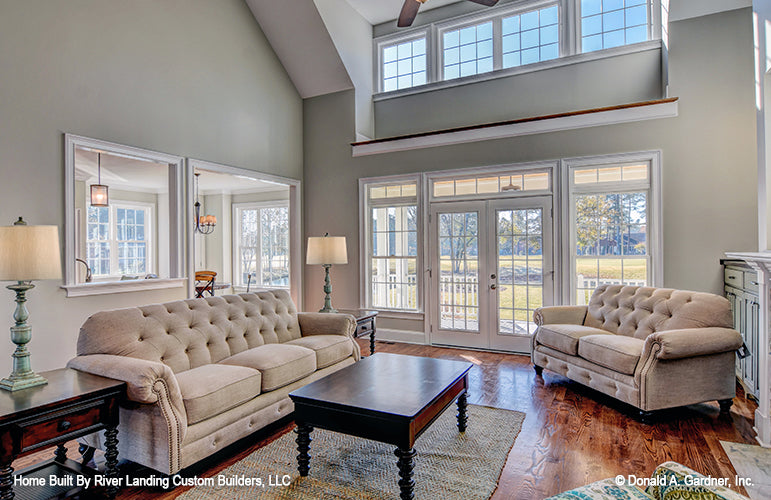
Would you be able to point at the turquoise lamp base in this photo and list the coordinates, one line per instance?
(14, 383)
(22, 376)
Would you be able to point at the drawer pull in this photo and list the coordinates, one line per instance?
(732, 277)
(754, 282)
(64, 425)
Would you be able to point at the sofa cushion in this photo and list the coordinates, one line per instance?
(617, 352)
(212, 389)
(564, 338)
(329, 349)
(280, 364)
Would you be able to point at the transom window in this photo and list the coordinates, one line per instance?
(392, 243)
(612, 23)
(490, 184)
(261, 245)
(468, 51)
(530, 37)
(404, 64)
(119, 240)
(511, 36)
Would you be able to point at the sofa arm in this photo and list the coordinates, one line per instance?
(147, 381)
(326, 324)
(550, 315)
(691, 342)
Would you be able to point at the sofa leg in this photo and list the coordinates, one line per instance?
(646, 417)
(725, 405)
(538, 370)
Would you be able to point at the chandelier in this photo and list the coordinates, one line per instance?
(204, 224)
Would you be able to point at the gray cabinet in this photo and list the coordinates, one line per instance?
(741, 289)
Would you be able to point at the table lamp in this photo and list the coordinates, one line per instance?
(327, 250)
(26, 253)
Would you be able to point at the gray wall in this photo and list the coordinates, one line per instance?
(189, 77)
(709, 162)
(606, 82)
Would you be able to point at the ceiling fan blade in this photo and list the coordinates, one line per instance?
(488, 3)
(408, 13)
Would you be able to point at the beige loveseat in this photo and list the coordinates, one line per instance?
(652, 348)
(203, 373)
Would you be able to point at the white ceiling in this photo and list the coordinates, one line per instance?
(131, 174)
(380, 11)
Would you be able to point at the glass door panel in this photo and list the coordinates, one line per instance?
(520, 269)
(522, 276)
(458, 305)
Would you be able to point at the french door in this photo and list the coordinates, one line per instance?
(491, 267)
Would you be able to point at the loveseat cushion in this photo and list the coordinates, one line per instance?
(329, 349)
(212, 389)
(279, 364)
(617, 352)
(564, 337)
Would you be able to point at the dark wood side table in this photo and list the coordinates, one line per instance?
(71, 405)
(365, 324)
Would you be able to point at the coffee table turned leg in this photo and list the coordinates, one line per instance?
(372, 343)
(6, 481)
(462, 416)
(405, 464)
(303, 446)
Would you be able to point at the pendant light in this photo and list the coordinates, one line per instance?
(99, 191)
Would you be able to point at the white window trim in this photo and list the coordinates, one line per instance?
(654, 25)
(656, 247)
(151, 242)
(569, 40)
(295, 221)
(381, 43)
(497, 170)
(365, 243)
(237, 209)
(177, 256)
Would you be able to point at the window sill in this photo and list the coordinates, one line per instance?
(517, 70)
(108, 287)
(386, 313)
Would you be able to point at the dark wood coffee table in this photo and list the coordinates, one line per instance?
(389, 398)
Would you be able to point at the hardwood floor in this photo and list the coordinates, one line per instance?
(571, 435)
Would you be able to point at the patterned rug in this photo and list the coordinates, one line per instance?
(448, 464)
(751, 461)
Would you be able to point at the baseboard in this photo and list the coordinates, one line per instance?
(763, 428)
(408, 336)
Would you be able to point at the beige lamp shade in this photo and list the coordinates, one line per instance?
(326, 250)
(29, 253)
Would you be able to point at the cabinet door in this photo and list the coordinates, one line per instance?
(753, 327)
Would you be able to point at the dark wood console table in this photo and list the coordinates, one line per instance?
(365, 324)
(71, 405)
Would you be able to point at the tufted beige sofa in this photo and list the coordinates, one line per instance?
(652, 348)
(203, 373)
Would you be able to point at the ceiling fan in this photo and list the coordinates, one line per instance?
(410, 10)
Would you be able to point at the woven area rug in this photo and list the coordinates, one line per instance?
(448, 464)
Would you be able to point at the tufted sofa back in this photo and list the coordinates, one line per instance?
(190, 333)
(637, 311)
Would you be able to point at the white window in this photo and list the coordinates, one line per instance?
(613, 226)
(489, 184)
(468, 51)
(503, 39)
(404, 64)
(392, 245)
(261, 243)
(119, 240)
(612, 23)
(530, 37)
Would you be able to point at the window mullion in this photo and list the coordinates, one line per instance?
(497, 44)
